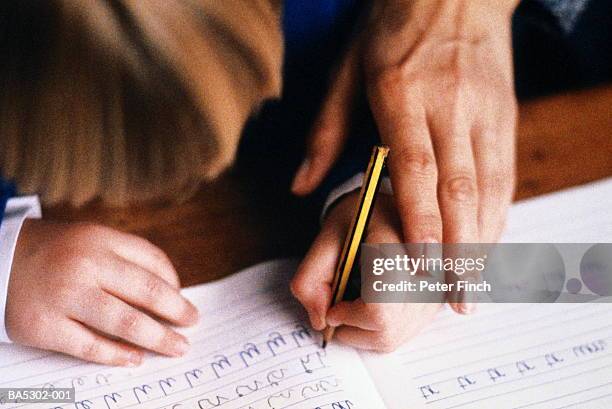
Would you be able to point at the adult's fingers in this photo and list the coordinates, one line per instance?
(147, 255)
(412, 164)
(457, 192)
(143, 289)
(330, 129)
(112, 316)
(73, 338)
(494, 155)
(457, 189)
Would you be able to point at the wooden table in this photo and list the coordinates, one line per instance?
(563, 141)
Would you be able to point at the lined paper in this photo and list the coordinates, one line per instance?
(536, 356)
(578, 215)
(253, 350)
(507, 356)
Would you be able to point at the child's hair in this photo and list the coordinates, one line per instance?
(130, 99)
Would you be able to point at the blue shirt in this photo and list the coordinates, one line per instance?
(7, 190)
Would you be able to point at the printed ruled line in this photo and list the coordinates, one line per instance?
(490, 330)
(600, 356)
(504, 337)
(202, 340)
(316, 397)
(222, 386)
(54, 354)
(258, 400)
(130, 380)
(587, 401)
(565, 396)
(523, 388)
(517, 351)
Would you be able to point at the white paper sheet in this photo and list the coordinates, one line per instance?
(252, 350)
(578, 215)
(515, 356)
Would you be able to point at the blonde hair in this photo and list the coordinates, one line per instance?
(130, 100)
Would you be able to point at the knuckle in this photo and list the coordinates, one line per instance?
(87, 231)
(129, 324)
(418, 161)
(83, 265)
(91, 351)
(101, 301)
(152, 287)
(461, 189)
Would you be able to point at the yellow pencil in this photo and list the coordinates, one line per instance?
(357, 229)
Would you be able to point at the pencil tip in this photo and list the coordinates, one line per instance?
(324, 344)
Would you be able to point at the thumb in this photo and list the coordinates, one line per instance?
(330, 128)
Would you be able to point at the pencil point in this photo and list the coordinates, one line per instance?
(324, 344)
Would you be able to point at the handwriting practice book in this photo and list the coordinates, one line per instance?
(251, 350)
(254, 350)
(536, 356)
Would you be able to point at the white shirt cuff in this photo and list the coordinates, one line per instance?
(350, 185)
(17, 210)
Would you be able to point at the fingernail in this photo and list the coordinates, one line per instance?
(180, 347)
(468, 305)
(134, 359)
(301, 175)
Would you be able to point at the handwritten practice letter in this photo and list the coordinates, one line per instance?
(252, 350)
(531, 356)
(508, 356)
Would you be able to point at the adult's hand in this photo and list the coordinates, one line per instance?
(439, 81)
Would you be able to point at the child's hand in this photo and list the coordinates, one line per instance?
(93, 292)
(379, 327)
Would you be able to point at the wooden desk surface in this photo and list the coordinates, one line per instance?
(563, 141)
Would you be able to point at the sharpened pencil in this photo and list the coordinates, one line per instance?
(359, 224)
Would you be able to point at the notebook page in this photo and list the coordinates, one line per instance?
(536, 356)
(252, 350)
(578, 215)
